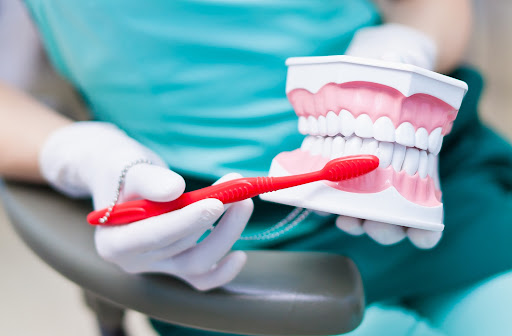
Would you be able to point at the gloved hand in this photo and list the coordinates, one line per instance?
(87, 158)
(396, 43)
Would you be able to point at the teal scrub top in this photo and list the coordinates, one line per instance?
(200, 82)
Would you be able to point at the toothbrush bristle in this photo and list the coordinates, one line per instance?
(350, 166)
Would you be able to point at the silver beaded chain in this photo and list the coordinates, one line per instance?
(120, 184)
(293, 219)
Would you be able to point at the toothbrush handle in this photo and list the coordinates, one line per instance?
(227, 192)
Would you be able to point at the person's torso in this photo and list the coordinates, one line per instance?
(200, 82)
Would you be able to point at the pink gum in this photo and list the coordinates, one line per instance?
(375, 100)
(421, 191)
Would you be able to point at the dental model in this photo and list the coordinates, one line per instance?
(398, 112)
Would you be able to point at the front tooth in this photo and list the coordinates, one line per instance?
(318, 146)
(411, 161)
(353, 145)
(312, 125)
(384, 130)
(327, 147)
(431, 171)
(307, 143)
(421, 138)
(303, 125)
(398, 157)
(369, 146)
(332, 123)
(433, 140)
(405, 134)
(385, 154)
(322, 126)
(423, 166)
(338, 147)
(364, 126)
(440, 144)
(346, 123)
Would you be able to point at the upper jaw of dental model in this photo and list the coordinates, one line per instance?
(348, 106)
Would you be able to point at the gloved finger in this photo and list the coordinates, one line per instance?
(384, 233)
(225, 178)
(157, 232)
(350, 225)
(152, 182)
(225, 271)
(424, 239)
(174, 248)
(200, 258)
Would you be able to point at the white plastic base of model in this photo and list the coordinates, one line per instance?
(387, 206)
(312, 73)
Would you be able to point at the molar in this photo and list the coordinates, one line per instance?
(318, 145)
(332, 124)
(322, 126)
(421, 138)
(327, 147)
(385, 154)
(338, 147)
(346, 123)
(398, 157)
(369, 146)
(312, 125)
(384, 130)
(364, 126)
(353, 145)
(303, 126)
(411, 161)
(307, 143)
(405, 134)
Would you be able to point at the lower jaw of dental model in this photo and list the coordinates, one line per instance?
(348, 106)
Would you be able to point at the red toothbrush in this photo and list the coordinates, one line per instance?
(237, 190)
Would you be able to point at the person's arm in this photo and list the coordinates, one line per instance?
(448, 23)
(25, 124)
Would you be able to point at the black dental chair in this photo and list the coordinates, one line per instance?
(277, 293)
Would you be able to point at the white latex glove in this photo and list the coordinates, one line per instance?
(87, 158)
(396, 43)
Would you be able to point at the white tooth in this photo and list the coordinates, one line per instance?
(433, 140)
(411, 161)
(384, 130)
(322, 126)
(338, 147)
(364, 126)
(431, 171)
(318, 146)
(312, 125)
(385, 154)
(332, 124)
(398, 157)
(421, 138)
(326, 152)
(369, 146)
(423, 166)
(307, 143)
(405, 134)
(303, 125)
(435, 175)
(440, 144)
(353, 146)
(346, 123)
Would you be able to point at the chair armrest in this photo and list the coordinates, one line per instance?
(277, 293)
